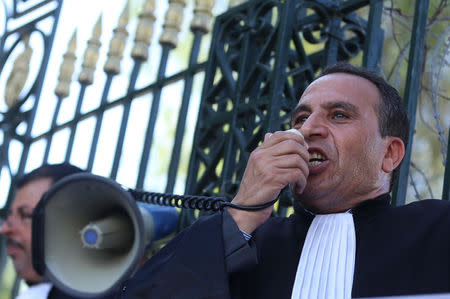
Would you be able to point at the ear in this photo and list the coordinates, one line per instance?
(395, 151)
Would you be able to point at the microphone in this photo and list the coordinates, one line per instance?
(296, 131)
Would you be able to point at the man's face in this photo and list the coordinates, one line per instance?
(17, 227)
(336, 115)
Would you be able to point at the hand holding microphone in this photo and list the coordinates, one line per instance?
(280, 160)
(300, 186)
(296, 132)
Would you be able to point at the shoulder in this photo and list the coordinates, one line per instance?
(431, 204)
(425, 213)
(428, 206)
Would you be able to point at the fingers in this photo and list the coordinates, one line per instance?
(267, 136)
(295, 131)
(291, 162)
(288, 147)
(280, 160)
(277, 172)
(284, 143)
(280, 164)
(271, 139)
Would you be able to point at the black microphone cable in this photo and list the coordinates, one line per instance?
(204, 203)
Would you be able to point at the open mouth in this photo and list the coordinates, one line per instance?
(13, 243)
(316, 158)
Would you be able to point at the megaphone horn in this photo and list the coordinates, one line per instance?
(89, 234)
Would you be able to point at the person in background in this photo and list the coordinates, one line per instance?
(16, 228)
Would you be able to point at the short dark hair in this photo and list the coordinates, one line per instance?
(53, 171)
(391, 111)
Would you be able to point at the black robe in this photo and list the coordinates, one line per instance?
(399, 251)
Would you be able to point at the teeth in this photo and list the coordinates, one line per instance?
(315, 159)
(314, 163)
(316, 156)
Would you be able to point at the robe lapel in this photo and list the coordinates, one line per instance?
(197, 270)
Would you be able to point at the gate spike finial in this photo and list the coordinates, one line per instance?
(172, 23)
(202, 16)
(91, 54)
(234, 3)
(144, 31)
(117, 44)
(67, 67)
(19, 74)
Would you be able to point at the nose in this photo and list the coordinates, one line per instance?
(5, 228)
(314, 127)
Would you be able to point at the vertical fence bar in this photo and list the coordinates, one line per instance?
(446, 187)
(98, 122)
(332, 44)
(50, 138)
(279, 75)
(200, 25)
(62, 90)
(16, 286)
(152, 117)
(169, 40)
(414, 74)
(374, 37)
(3, 253)
(111, 68)
(86, 78)
(143, 35)
(73, 130)
(125, 116)
(181, 123)
(236, 96)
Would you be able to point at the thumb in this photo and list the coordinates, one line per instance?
(267, 136)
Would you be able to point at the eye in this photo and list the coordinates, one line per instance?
(340, 115)
(300, 119)
(24, 214)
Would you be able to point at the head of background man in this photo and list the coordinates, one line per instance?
(17, 226)
(356, 127)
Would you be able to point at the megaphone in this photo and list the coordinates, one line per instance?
(89, 234)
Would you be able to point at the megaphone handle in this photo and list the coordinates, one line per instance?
(205, 203)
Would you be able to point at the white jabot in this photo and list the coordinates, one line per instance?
(38, 291)
(327, 262)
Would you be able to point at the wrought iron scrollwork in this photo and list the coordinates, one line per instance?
(355, 31)
(263, 56)
(23, 42)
